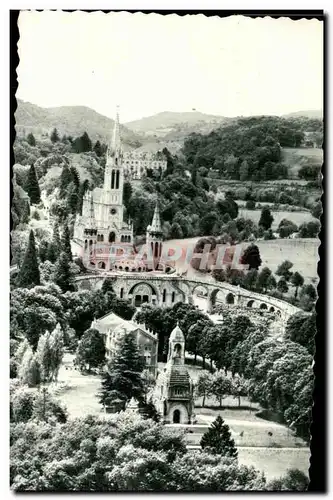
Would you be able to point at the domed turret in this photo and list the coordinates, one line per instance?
(176, 353)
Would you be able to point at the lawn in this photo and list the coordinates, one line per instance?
(274, 462)
(297, 217)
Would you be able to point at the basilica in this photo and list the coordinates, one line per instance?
(103, 237)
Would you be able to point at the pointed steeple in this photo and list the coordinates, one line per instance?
(156, 223)
(115, 144)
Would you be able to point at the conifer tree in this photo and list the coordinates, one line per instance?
(66, 242)
(31, 139)
(84, 186)
(266, 218)
(62, 274)
(86, 142)
(218, 439)
(56, 237)
(65, 180)
(32, 186)
(29, 272)
(54, 136)
(122, 380)
(98, 148)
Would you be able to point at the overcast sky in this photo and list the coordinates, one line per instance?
(150, 63)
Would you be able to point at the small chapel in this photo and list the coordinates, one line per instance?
(173, 395)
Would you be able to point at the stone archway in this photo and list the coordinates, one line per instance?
(143, 292)
(263, 306)
(230, 298)
(250, 303)
(271, 309)
(176, 417)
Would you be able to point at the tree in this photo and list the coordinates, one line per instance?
(250, 204)
(263, 279)
(309, 229)
(86, 142)
(302, 328)
(284, 270)
(282, 285)
(66, 243)
(251, 257)
(243, 171)
(98, 148)
(62, 274)
(127, 193)
(29, 271)
(176, 231)
(54, 136)
(239, 388)
(204, 385)
(317, 210)
(122, 380)
(293, 480)
(29, 371)
(297, 280)
(65, 180)
(266, 218)
(91, 350)
(31, 139)
(32, 186)
(221, 386)
(218, 439)
(250, 279)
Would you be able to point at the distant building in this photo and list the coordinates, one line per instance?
(136, 163)
(173, 395)
(113, 328)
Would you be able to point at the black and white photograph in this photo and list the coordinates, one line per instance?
(166, 212)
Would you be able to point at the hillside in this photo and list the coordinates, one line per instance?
(312, 114)
(295, 158)
(166, 123)
(69, 120)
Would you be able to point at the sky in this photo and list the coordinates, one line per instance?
(148, 63)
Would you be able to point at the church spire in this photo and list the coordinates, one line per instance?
(156, 223)
(115, 144)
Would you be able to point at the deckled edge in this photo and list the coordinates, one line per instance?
(14, 63)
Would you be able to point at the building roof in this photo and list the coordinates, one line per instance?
(177, 375)
(177, 335)
(114, 322)
(155, 226)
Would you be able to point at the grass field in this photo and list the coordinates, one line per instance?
(297, 217)
(303, 252)
(295, 158)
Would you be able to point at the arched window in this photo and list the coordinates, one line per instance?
(85, 244)
(164, 295)
(121, 293)
(112, 237)
(117, 179)
(230, 299)
(152, 248)
(102, 237)
(156, 249)
(173, 297)
(122, 238)
(263, 306)
(90, 243)
(112, 179)
(129, 239)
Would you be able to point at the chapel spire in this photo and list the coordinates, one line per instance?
(115, 143)
(156, 223)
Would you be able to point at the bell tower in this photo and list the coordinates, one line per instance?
(114, 178)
